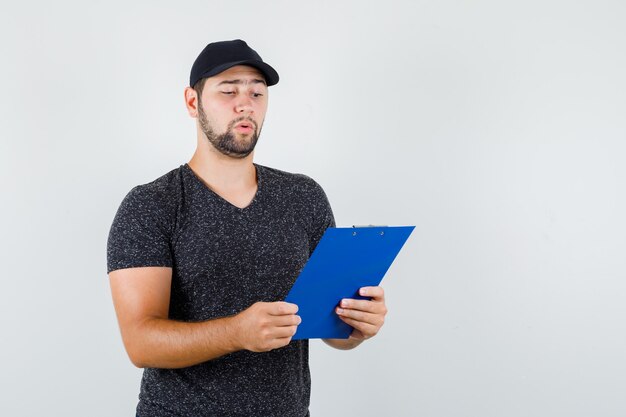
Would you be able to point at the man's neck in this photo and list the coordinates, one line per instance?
(222, 172)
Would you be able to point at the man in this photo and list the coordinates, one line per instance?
(200, 259)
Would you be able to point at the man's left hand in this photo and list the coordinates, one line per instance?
(365, 316)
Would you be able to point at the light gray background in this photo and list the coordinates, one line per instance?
(497, 128)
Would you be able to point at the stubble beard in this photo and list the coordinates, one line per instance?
(227, 143)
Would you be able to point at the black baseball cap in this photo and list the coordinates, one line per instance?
(219, 56)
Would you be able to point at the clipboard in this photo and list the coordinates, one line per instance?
(344, 260)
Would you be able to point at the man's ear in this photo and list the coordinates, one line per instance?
(191, 101)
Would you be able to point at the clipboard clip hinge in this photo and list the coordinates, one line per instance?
(369, 225)
(382, 233)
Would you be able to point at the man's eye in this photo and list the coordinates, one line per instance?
(228, 92)
(257, 94)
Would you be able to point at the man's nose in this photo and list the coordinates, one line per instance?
(244, 104)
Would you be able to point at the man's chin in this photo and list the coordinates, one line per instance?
(235, 144)
(240, 155)
(237, 153)
(244, 143)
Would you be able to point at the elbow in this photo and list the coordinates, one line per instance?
(137, 357)
(136, 350)
(138, 362)
(141, 356)
(135, 343)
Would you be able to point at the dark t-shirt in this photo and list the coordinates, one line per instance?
(223, 260)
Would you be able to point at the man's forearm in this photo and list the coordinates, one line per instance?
(343, 344)
(164, 343)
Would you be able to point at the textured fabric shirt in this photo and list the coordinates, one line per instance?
(223, 260)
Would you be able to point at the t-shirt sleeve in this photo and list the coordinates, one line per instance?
(323, 217)
(140, 233)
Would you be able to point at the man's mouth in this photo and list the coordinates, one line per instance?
(244, 126)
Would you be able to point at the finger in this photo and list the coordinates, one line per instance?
(361, 316)
(281, 308)
(374, 292)
(363, 305)
(290, 320)
(283, 332)
(367, 329)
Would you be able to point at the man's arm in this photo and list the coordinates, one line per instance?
(365, 316)
(141, 297)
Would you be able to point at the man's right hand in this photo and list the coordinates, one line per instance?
(266, 326)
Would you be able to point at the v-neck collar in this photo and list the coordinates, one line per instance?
(218, 197)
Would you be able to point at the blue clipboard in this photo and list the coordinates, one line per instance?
(344, 260)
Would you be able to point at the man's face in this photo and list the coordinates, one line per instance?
(232, 109)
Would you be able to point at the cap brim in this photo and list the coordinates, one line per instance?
(270, 74)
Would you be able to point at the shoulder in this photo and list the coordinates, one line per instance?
(293, 181)
(302, 193)
(161, 192)
(143, 225)
(155, 202)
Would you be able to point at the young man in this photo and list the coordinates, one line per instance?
(200, 259)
